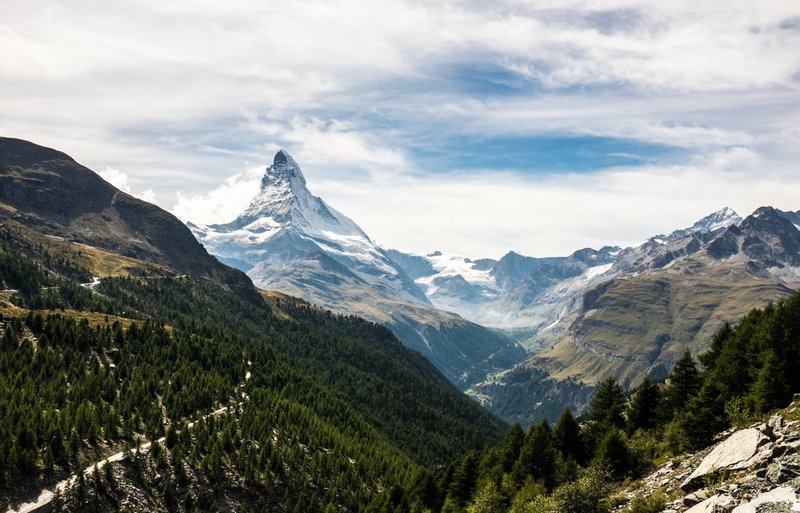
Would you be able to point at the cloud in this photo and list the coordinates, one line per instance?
(222, 203)
(488, 214)
(119, 179)
(189, 97)
(333, 142)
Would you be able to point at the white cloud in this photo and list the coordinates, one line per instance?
(489, 214)
(334, 142)
(220, 204)
(184, 94)
(117, 178)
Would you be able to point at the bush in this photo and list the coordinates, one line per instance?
(650, 504)
(589, 494)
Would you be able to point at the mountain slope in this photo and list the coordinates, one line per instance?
(50, 192)
(297, 407)
(658, 298)
(291, 241)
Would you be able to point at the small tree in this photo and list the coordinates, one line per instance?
(684, 383)
(613, 454)
(537, 458)
(487, 500)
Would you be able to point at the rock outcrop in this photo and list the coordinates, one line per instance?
(752, 470)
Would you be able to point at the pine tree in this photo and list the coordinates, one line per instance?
(613, 453)
(511, 446)
(567, 438)
(703, 417)
(537, 458)
(643, 408)
(463, 482)
(487, 500)
(684, 383)
(771, 389)
(608, 404)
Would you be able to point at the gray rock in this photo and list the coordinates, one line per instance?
(775, 422)
(715, 504)
(695, 498)
(783, 495)
(743, 449)
(779, 472)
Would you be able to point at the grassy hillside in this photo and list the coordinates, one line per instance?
(629, 328)
(639, 326)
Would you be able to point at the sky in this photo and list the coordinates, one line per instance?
(471, 127)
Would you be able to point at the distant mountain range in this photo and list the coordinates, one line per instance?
(635, 318)
(291, 241)
(622, 311)
(525, 336)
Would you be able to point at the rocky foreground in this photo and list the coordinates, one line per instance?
(752, 470)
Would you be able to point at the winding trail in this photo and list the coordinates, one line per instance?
(46, 496)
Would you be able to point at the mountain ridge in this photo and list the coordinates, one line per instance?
(48, 190)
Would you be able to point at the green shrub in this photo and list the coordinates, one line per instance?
(647, 504)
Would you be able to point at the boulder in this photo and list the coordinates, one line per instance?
(695, 498)
(783, 470)
(743, 449)
(715, 504)
(781, 495)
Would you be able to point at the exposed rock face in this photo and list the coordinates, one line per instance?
(752, 470)
(740, 450)
(714, 504)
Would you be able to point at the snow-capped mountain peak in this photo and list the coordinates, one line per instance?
(720, 219)
(714, 222)
(284, 219)
(284, 199)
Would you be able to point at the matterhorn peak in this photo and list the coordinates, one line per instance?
(284, 201)
(284, 169)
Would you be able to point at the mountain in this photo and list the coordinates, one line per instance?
(655, 299)
(517, 294)
(48, 191)
(291, 241)
(628, 312)
(229, 401)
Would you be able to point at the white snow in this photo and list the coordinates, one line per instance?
(284, 203)
(597, 271)
(452, 265)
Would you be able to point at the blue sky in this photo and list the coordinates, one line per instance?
(470, 127)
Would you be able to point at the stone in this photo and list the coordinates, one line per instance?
(781, 495)
(695, 498)
(715, 504)
(779, 472)
(743, 449)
